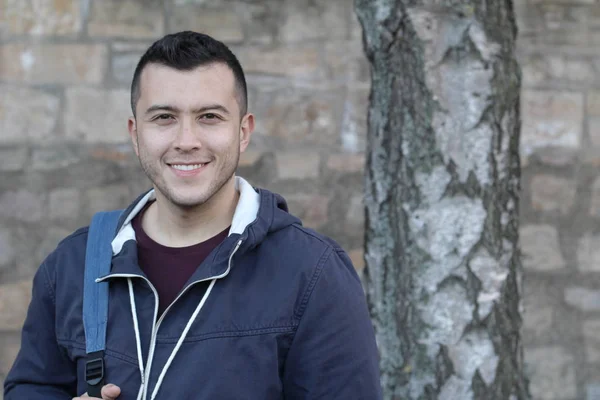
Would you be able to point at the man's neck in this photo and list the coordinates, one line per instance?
(173, 226)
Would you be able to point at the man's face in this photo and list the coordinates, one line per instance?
(187, 132)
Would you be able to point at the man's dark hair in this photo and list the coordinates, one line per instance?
(185, 51)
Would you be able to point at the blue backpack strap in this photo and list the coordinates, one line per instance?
(98, 258)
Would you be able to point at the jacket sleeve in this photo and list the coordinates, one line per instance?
(42, 370)
(333, 354)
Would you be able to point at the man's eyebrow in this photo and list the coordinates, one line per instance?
(211, 107)
(173, 109)
(161, 107)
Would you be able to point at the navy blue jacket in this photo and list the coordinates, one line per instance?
(284, 316)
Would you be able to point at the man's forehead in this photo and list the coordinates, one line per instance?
(210, 71)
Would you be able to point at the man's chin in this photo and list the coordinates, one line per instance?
(188, 203)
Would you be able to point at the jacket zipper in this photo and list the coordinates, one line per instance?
(156, 324)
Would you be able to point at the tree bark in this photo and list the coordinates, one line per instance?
(443, 273)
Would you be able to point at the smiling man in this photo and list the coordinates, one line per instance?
(215, 290)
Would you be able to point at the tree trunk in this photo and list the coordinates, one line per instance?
(442, 262)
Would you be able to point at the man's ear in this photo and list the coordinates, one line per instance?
(246, 129)
(132, 127)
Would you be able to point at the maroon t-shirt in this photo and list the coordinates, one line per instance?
(169, 268)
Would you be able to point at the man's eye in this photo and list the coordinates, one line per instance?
(164, 116)
(210, 116)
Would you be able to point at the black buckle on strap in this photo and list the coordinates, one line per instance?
(94, 371)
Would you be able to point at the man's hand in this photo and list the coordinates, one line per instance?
(109, 392)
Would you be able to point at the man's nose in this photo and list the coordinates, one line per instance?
(188, 137)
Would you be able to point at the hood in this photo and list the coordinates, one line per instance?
(258, 213)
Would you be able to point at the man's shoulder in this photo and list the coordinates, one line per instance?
(302, 244)
(69, 248)
(297, 235)
(76, 240)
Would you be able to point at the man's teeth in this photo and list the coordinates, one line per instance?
(187, 167)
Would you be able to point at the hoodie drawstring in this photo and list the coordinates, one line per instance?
(145, 375)
(137, 337)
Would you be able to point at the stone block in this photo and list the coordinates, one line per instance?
(97, 116)
(50, 240)
(110, 197)
(590, 329)
(14, 301)
(26, 114)
(541, 248)
(552, 373)
(261, 19)
(121, 153)
(538, 318)
(548, 21)
(355, 216)
(558, 38)
(53, 63)
(592, 391)
(10, 343)
(249, 158)
(130, 47)
(205, 3)
(25, 237)
(591, 153)
(297, 165)
(346, 163)
(123, 66)
(13, 159)
(53, 157)
(64, 203)
(346, 62)
(7, 248)
(594, 132)
(533, 69)
(22, 205)
(588, 253)
(554, 17)
(551, 193)
(550, 119)
(528, 18)
(570, 68)
(137, 19)
(539, 68)
(40, 17)
(582, 299)
(224, 25)
(283, 61)
(312, 209)
(595, 199)
(593, 104)
(299, 116)
(557, 156)
(310, 20)
(569, 2)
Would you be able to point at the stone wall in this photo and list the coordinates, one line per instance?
(65, 70)
(560, 206)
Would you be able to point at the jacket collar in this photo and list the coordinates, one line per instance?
(125, 264)
(258, 214)
(245, 213)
